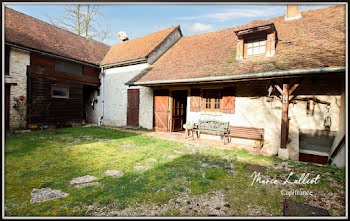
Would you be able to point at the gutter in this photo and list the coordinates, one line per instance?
(51, 55)
(102, 97)
(135, 61)
(258, 75)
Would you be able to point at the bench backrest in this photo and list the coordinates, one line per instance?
(213, 125)
(247, 132)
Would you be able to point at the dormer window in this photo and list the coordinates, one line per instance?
(255, 47)
(256, 41)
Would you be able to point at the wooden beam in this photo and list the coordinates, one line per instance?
(336, 150)
(310, 98)
(293, 88)
(279, 88)
(284, 118)
(297, 83)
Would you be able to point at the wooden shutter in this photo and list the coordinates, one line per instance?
(195, 100)
(228, 101)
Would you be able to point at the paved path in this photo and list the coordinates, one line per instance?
(197, 141)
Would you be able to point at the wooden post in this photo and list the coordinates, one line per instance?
(284, 119)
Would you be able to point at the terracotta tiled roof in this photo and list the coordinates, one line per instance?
(136, 48)
(27, 31)
(316, 40)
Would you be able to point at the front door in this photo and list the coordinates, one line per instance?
(179, 110)
(161, 104)
(133, 107)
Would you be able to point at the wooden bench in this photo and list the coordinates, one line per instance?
(214, 127)
(248, 133)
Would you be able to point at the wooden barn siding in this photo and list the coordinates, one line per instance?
(57, 111)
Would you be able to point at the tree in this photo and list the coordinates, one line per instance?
(82, 20)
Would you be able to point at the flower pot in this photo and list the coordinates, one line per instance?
(83, 123)
(50, 127)
(33, 127)
(73, 124)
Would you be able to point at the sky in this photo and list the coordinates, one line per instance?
(138, 20)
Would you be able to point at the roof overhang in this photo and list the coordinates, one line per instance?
(269, 28)
(250, 76)
(125, 63)
(50, 54)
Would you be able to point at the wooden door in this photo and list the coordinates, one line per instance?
(179, 110)
(7, 106)
(133, 107)
(161, 109)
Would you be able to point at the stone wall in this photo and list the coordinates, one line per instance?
(257, 112)
(19, 59)
(115, 97)
(93, 114)
(146, 108)
(339, 159)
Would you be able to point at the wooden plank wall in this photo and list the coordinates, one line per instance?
(57, 111)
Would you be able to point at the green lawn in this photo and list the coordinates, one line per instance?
(197, 181)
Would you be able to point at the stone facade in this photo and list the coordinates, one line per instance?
(146, 107)
(93, 113)
(339, 159)
(115, 97)
(19, 59)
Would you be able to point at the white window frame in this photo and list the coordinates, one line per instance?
(256, 47)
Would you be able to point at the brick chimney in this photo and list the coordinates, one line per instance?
(292, 13)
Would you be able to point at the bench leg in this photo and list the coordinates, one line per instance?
(225, 139)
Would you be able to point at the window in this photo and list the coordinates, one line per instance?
(68, 67)
(7, 60)
(212, 99)
(59, 91)
(256, 41)
(255, 47)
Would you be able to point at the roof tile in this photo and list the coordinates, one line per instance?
(27, 31)
(317, 40)
(136, 48)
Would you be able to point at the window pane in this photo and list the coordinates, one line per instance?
(256, 44)
(262, 49)
(217, 103)
(59, 91)
(250, 51)
(262, 43)
(255, 50)
(250, 45)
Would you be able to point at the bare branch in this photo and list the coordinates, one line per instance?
(82, 20)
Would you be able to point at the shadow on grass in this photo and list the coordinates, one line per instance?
(23, 143)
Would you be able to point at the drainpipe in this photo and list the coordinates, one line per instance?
(102, 97)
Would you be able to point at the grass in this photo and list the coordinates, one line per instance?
(40, 159)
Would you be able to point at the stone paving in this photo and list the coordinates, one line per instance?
(141, 167)
(114, 173)
(40, 195)
(82, 179)
(198, 141)
(82, 185)
(151, 160)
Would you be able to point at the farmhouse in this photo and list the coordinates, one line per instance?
(123, 62)
(284, 76)
(52, 70)
(278, 83)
